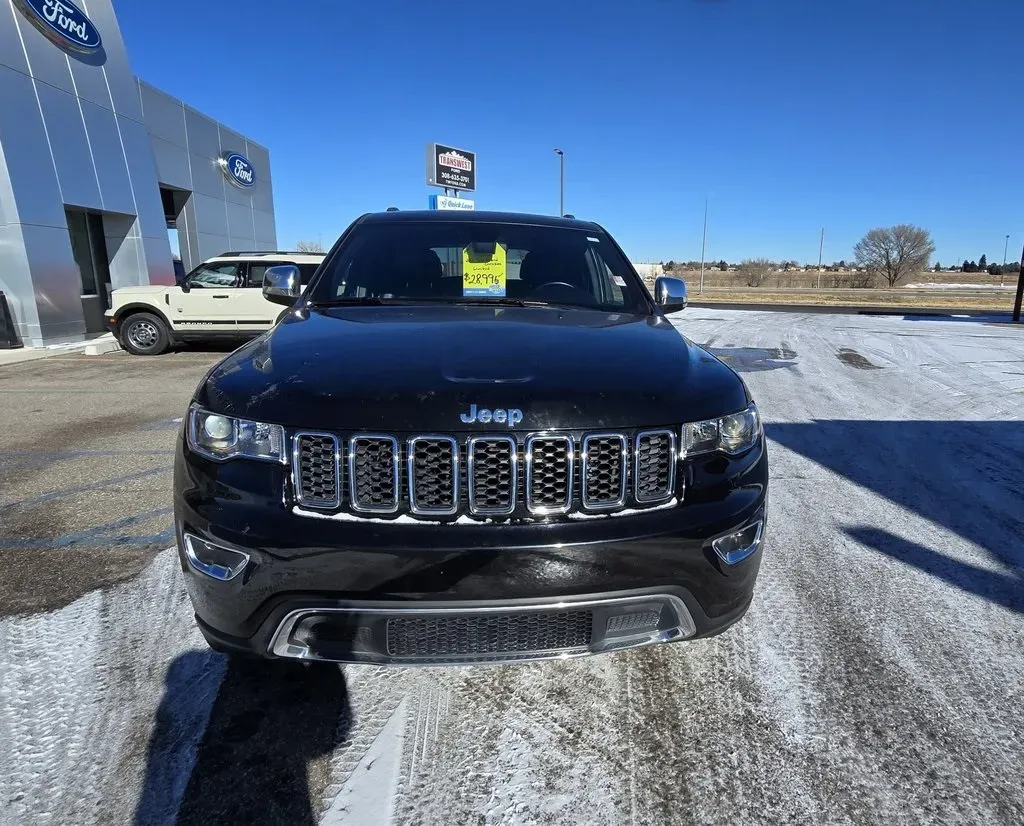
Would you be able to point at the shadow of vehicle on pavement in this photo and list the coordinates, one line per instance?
(967, 476)
(267, 723)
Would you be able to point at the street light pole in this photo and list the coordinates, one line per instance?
(1002, 272)
(561, 181)
(703, 243)
(821, 246)
(1020, 290)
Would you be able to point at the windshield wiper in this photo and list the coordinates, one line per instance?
(350, 301)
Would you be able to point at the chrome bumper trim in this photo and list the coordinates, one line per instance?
(282, 644)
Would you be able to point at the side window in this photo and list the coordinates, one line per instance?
(306, 272)
(257, 271)
(214, 275)
(607, 287)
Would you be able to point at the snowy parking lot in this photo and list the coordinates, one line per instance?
(876, 679)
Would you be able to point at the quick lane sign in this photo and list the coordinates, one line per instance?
(448, 202)
(450, 167)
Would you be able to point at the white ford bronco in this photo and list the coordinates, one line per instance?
(221, 298)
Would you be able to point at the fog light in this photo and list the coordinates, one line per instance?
(737, 546)
(213, 560)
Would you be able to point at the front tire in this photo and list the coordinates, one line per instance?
(144, 334)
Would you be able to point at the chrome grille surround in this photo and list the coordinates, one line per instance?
(604, 473)
(541, 474)
(419, 476)
(316, 477)
(484, 473)
(373, 492)
(538, 448)
(648, 463)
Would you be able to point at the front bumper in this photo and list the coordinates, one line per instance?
(371, 592)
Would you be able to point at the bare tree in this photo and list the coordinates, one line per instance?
(309, 246)
(895, 252)
(756, 270)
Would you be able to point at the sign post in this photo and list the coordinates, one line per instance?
(1020, 290)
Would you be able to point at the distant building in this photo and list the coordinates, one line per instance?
(648, 269)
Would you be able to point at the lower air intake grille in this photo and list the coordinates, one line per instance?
(480, 635)
(317, 471)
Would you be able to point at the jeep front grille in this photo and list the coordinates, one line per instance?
(373, 473)
(549, 463)
(604, 470)
(317, 470)
(654, 465)
(433, 475)
(493, 475)
(521, 475)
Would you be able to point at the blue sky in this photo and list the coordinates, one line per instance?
(788, 115)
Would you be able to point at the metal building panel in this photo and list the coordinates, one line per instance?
(11, 52)
(31, 173)
(172, 166)
(207, 176)
(211, 245)
(127, 260)
(55, 281)
(16, 282)
(203, 137)
(45, 61)
(211, 216)
(108, 156)
(90, 80)
(159, 268)
(72, 155)
(265, 226)
(188, 238)
(263, 196)
(123, 94)
(163, 115)
(240, 226)
(138, 151)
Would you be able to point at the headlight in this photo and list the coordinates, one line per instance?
(730, 434)
(225, 437)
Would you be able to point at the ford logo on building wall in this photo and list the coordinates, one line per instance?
(63, 23)
(238, 170)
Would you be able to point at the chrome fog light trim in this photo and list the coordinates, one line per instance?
(736, 546)
(221, 563)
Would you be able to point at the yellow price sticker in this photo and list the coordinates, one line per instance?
(483, 272)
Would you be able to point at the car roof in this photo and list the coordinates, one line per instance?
(296, 257)
(478, 216)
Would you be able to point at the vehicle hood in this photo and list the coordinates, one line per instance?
(417, 369)
(122, 295)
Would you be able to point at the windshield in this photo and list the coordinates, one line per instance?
(453, 262)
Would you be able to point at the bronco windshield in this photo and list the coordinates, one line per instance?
(477, 262)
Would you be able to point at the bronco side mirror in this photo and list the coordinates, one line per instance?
(670, 293)
(282, 284)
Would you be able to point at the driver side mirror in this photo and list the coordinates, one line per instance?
(185, 286)
(670, 293)
(282, 284)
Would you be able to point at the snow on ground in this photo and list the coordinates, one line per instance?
(876, 678)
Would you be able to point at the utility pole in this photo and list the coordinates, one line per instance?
(561, 182)
(821, 246)
(1005, 245)
(703, 243)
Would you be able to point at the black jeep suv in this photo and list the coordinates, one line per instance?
(475, 437)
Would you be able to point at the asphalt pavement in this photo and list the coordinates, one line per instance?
(876, 678)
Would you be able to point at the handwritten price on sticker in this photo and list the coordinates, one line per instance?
(481, 279)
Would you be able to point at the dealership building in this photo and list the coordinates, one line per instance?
(99, 170)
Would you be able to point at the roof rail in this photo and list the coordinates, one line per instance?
(267, 252)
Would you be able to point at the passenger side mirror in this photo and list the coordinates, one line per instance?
(670, 293)
(282, 284)
(185, 286)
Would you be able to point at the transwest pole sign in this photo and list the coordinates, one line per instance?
(451, 168)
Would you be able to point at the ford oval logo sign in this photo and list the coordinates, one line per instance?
(63, 23)
(238, 170)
